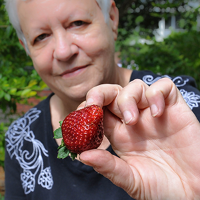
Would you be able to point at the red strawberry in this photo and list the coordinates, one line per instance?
(81, 130)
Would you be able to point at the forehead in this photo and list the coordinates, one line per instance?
(42, 14)
(55, 6)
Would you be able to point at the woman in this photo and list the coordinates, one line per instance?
(71, 44)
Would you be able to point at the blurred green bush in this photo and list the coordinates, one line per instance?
(178, 54)
(18, 80)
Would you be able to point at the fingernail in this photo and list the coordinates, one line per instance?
(154, 110)
(127, 116)
(89, 101)
(79, 108)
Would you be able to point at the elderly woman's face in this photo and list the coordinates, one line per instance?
(71, 45)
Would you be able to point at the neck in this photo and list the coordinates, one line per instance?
(123, 77)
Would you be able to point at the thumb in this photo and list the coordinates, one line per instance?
(111, 167)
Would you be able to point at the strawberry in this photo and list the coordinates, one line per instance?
(81, 130)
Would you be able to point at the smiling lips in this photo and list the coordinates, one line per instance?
(73, 71)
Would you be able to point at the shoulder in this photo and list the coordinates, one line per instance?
(149, 78)
(32, 115)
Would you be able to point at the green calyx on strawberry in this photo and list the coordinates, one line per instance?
(81, 130)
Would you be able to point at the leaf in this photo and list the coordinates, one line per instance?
(58, 133)
(19, 93)
(60, 122)
(139, 19)
(25, 92)
(63, 152)
(73, 156)
(1, 93)
(62, 144)
(7, 97)
(13, 91)
(32, 83)
(2, 153)
(8, 31)
(31, 94)
(28, 93)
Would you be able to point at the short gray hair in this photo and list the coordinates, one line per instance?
(11, 7)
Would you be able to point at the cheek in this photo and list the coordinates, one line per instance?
(42, 61)
(95, 43)
(100, 48)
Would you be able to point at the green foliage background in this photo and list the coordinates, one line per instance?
(18, 80)
(177, 55)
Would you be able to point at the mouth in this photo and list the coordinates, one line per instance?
(74, 71)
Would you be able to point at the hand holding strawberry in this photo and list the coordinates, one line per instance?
(156, 137)
(81, 130)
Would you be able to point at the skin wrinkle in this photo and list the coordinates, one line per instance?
(155, 162)
(144, 95)
(139, 193)
(154, 143)
(116, 167)
(169, 94)
(171, 166)
(138, 102)
(117, 103)
(164, 136)
(131, 189)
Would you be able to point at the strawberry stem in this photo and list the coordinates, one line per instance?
(58, 133)
(73, 156)
(63, 151)
(60, 122)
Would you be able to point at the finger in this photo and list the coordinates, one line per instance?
(104, 95)
(115, 169)
(131, 99)
(161, 93)
(82, 105)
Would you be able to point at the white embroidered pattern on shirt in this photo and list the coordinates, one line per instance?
(178, 81)
(32, 162)
(191, 98)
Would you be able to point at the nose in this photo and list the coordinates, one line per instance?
(65, 48)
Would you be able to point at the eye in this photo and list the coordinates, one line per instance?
(41, 37)
(78, 23)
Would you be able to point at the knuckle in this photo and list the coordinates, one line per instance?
(137, 81)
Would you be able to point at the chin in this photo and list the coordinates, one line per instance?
(76, 95)
(83, 88)
(76, 92)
